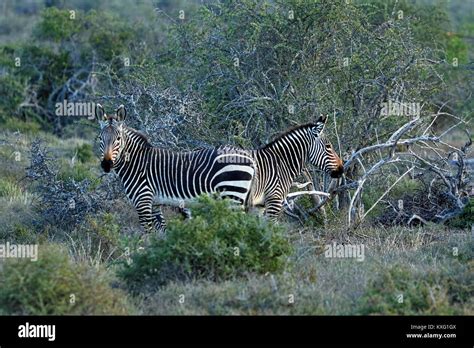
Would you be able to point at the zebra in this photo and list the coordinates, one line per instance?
(282, 160)
(152, 174)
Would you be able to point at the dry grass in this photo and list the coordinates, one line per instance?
(321, 285)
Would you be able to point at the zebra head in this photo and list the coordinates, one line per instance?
(111, 135)
(321, 152)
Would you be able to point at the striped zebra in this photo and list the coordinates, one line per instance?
(150, 174)
(281, 161)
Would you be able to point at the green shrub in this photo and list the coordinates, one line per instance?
(460, 286)
(465, 252)
(53, 285)
(22, 234)
(57, 24)
(97, 239)
(104, 32)
(466, 219)
(423, 294)
(219, 242)
(15, 124)
(78, 172)
(11, 90)
(85, 153)
(105, 228)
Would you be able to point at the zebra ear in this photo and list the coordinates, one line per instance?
(100, 113)
(319, 125)
(121, 113)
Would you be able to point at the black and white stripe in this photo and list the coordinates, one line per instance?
(150, 174)
(281, 161)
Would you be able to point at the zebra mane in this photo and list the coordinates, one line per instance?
(286, 132)
(140, 135)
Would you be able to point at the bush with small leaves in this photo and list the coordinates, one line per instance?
(53, 285)
(219, 242)
(62, 203)
(66, 197)
(466, 218)
(402, 291)
(85, 153)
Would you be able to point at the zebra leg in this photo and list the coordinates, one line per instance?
(185, 212)
(144, 210)
(159, 221)
(273, 207)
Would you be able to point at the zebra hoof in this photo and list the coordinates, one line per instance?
(186, 213)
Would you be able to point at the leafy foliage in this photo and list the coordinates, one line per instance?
(402, 291)
(62, 203)
(466, 218)
(219, 242)
(53, 285)
(67, 196)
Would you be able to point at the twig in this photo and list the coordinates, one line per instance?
(299, 193)
(386, 192)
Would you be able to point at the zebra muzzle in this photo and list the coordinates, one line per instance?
(106, 165)
(337, 173)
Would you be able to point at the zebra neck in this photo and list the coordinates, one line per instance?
(289, 155)
(133, 154)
